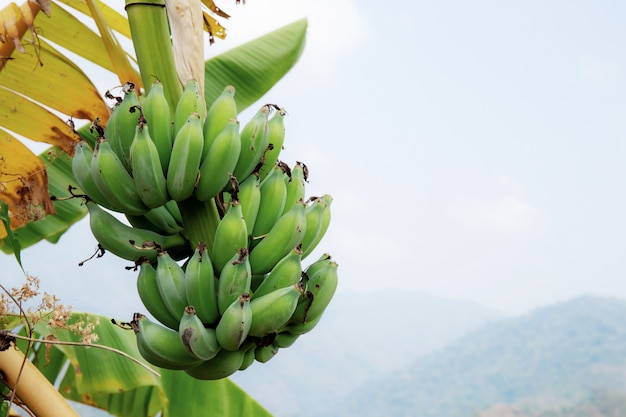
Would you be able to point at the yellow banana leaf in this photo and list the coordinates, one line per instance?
(80, 99)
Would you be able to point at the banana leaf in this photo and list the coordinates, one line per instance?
(109, 381)
(253, 68)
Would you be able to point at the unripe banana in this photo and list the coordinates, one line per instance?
(320, 288)
(151, 297)
(113, 181)
(286, 273)
(158, 219)
(234, 280)
(116, 237)
(276, 128)
(170, 278)
(312, 242)
(200, 341)
(221, 111)
(301, 328)
(219, 162)
(248, 358)
(158, 115)
(272, 311)
(318, 264)
(223, 365)
(161, 346)
(81, 169)
(285, 339)
(231, 235)
(201, 285)
(314, 213)
(146, 168)
(174, 210)
(250, 198)
(264, 353)
(254, 141)
(296, 185)
(191, 101)
(125, 124)
(182, 172)
(234, 324)
(273, 193)
(285, 235)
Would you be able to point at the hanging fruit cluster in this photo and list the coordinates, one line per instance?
(218, 228)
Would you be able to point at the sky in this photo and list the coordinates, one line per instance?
(474, 150)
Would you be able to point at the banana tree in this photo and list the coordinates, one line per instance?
(46, 97)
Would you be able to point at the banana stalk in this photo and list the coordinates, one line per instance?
(200, 219)
(150, 32)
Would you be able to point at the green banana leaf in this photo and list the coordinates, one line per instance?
(253, 68)
(112, 382)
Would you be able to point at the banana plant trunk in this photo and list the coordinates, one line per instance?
(31, 387)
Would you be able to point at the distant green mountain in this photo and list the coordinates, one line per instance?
(549, 359)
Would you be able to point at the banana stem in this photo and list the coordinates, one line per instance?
(150, 32)
(200, 219)
(32, 387)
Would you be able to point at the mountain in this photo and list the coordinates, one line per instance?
(360, 335)
(551, 358)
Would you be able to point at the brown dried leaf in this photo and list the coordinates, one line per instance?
(23, 183)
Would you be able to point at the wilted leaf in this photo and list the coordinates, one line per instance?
(23, 182)
(49, 84)
(28, 119)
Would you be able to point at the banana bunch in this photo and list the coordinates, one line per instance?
(242, 292)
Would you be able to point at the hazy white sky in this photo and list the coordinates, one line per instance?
(474, 150)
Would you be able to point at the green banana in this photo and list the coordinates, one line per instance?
(201, 285)
(234, 324)
(286, 234)
(296, 185)
(254, 141)
(264, 353)
(161, 346)
(248, 358)
(273, 193)
(157, 112)
(81, 169)
(276, 128)
(170, 278)
(182, 172)
(287, 272)
(219, 162)
(285, 339)
(320, 288)
(314, 212)
(234, 280)
(113, 181)
(151, 297)
(146, 168)
(272, 311)
(191, 101)
(125, 241)
(125, 123)
(310, 242)
(174, 210)
(200, 341)
(231, 235)
(221, 111)
(158, 219)
(298, 329)
(223, 365)
(318, 264)
(250, 198)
